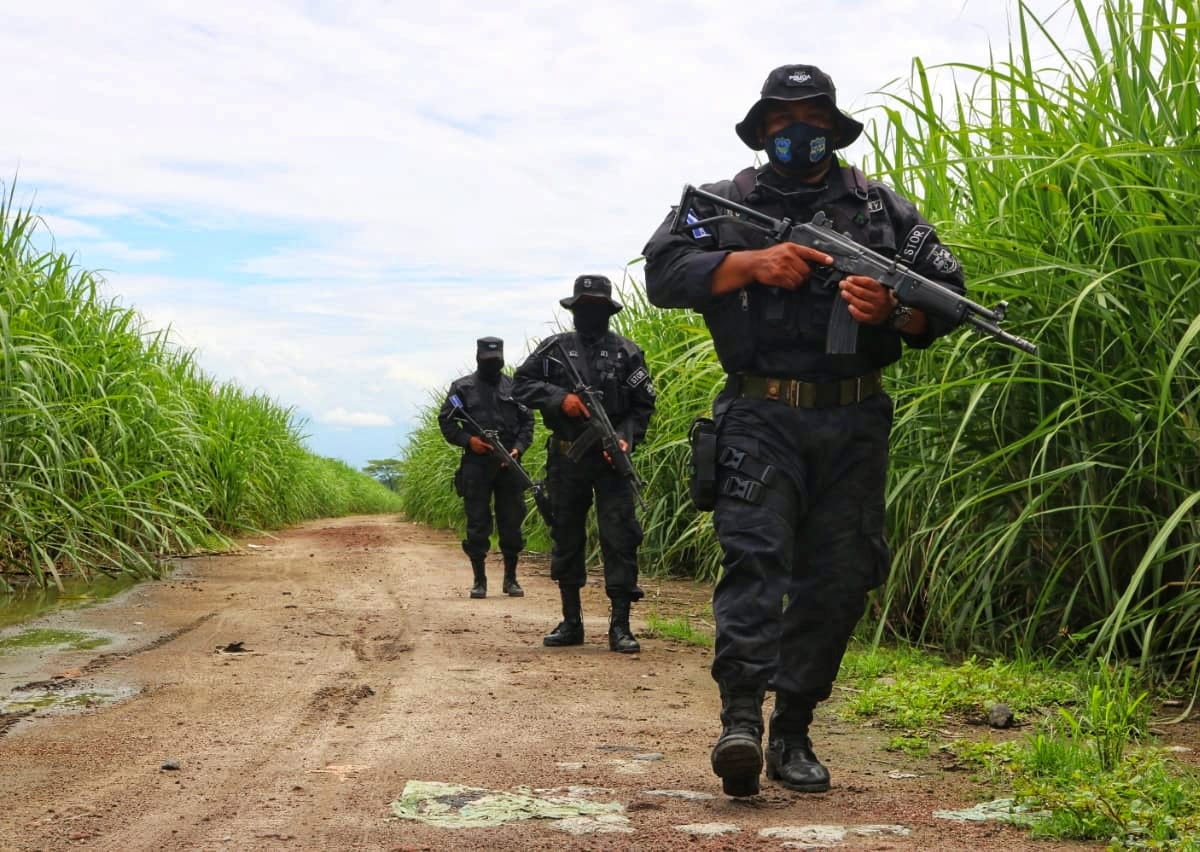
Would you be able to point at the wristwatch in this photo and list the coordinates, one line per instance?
(900, 317)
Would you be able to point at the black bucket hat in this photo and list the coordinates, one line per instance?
(489, 347)
(592, 288)
(797, 83)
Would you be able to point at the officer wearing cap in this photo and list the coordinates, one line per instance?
(486, 395)
(801, 435)
(616, 367)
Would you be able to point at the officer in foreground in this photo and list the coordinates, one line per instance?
(486, 396)
(616, 367)
(801, 437)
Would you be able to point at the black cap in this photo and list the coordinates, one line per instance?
(593, 288)
(797, 83)
(489, 347)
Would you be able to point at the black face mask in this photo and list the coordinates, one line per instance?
(591, 321)
(490, 370)
(799, 149)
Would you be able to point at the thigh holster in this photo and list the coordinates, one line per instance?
(743, 477)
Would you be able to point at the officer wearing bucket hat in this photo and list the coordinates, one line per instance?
(801, 436)
(616, 367)
(481, 479)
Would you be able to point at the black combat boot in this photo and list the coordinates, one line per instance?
(570, 629)
(479, 590)
(620, 636)
(737, 756)
(790, 758)
(511, 587)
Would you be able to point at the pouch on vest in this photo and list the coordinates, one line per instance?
(703, 465)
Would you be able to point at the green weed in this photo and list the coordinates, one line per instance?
(678, 629)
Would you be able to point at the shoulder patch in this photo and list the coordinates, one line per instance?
(637, 377)
(691, 219)
(941, 259)
(914, 242)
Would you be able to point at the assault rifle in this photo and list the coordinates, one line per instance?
(541, 496)
(850, 258)
(599, 428)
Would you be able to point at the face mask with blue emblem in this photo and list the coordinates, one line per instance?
(799, 148)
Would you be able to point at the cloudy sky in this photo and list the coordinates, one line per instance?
(330, 200)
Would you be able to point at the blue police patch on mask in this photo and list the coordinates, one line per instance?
(692, 219)
(783, 149)
(816, 149)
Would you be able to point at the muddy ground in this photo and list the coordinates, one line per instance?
(364, 668)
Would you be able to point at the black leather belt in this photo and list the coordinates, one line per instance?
(800, 394)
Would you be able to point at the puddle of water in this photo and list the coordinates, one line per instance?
(457, 806)
(67, 699)
(74, 640)
(28, 601)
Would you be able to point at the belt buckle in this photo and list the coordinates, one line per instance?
(793, 393)
(772, 389)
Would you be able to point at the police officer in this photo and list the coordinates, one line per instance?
(486, 396)
(616, 367)
(801, 435)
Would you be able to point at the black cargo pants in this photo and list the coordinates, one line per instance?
(484, 481)
(800, 519)
(572, 485)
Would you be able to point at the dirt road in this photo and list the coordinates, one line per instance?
(364, 671)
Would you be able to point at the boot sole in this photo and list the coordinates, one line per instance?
(738, 763)
(477, 597)
(560, 644)
(519, 593)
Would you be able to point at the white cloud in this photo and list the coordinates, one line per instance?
(424, 173)
(342, 417)
(67, 228)
(123, 252)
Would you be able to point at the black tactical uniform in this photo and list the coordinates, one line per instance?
(802, 443)
(486, 395)
(616, 367)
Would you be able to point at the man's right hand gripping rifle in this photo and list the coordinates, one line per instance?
(486, 441)
(586, 403)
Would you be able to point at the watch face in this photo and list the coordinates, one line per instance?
(900, 316)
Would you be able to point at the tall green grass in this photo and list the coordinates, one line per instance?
(115, 448)
(1049, 503)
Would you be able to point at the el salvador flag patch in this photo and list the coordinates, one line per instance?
(691, 219)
